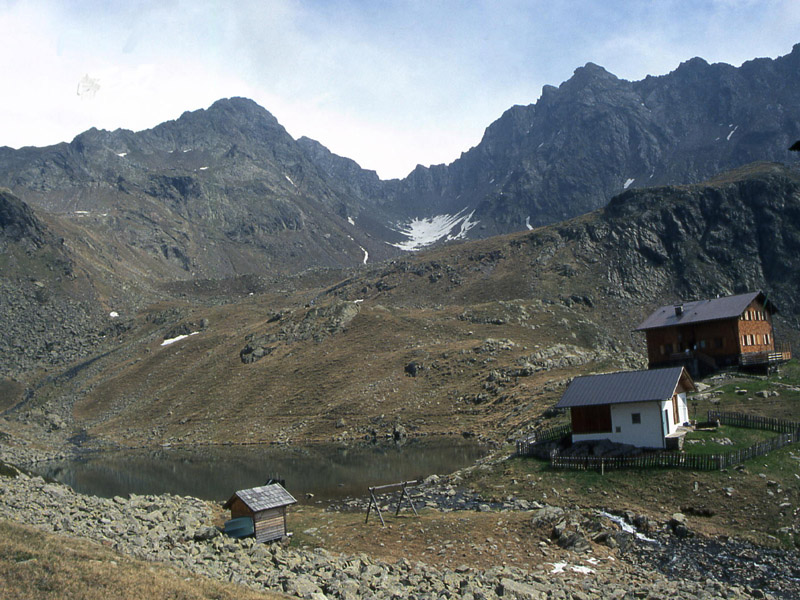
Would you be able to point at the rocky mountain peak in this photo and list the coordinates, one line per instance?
(589, 75)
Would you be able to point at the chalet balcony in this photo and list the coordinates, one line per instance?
(781, 354)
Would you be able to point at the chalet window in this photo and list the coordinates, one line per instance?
(668, 348)
(718, 342)
(663, 350)
(744, 340)
(766, 338)
(636, 418)
(702, 343)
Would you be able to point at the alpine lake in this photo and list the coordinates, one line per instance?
(312, 474)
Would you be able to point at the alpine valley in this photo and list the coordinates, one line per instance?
(214, 281)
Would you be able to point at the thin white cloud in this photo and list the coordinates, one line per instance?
(390, 85)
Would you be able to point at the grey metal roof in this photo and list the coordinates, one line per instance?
(624, 387)
(264, 497)
(702, 310)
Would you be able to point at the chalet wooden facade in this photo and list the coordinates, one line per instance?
(640, 408)
(266, 506)
(707, 335)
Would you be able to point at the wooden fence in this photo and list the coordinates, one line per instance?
(737, 419)
(672, 460)
(525, 445)
(788, 433)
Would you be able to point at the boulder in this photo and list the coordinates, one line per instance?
(206, 533)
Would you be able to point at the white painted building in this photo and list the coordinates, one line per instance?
(641, 408)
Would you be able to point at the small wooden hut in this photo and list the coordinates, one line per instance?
(266, 506)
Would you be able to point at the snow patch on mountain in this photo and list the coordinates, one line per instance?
(424, 232)
(177, 338)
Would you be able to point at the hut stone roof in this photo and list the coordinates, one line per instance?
(263, 498)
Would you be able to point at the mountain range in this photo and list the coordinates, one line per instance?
(227, 191)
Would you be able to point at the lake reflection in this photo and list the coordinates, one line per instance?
(214, 473)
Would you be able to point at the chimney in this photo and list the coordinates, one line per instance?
(679, 310)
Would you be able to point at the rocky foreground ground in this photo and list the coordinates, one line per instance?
(600, 556)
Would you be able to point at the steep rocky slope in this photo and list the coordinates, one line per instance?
(49, 312)
(597, 135)
(218, 192)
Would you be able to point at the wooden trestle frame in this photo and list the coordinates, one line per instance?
(373, 499)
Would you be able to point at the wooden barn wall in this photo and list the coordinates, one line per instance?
(270, 524)
(757, 329)
(591, 419)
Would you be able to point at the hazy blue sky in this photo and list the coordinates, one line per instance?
(389, 84)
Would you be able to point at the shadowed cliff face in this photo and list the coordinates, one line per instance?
(740, 232)
(17, 221)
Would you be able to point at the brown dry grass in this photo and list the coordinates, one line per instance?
(39, 566)
(198, 390)
(442, 539)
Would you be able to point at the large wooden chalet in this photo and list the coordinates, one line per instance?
(707, 335)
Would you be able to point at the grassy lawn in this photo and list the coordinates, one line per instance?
(724, 439)
(745, 393)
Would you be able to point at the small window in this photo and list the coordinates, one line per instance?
(618, 429)
(766, 338)
(636, 418)
(702, 343)
(718, 343)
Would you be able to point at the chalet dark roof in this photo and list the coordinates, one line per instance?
(263, 498)
(624, 387)
(702, 310)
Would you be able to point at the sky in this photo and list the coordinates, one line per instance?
(390, 84)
